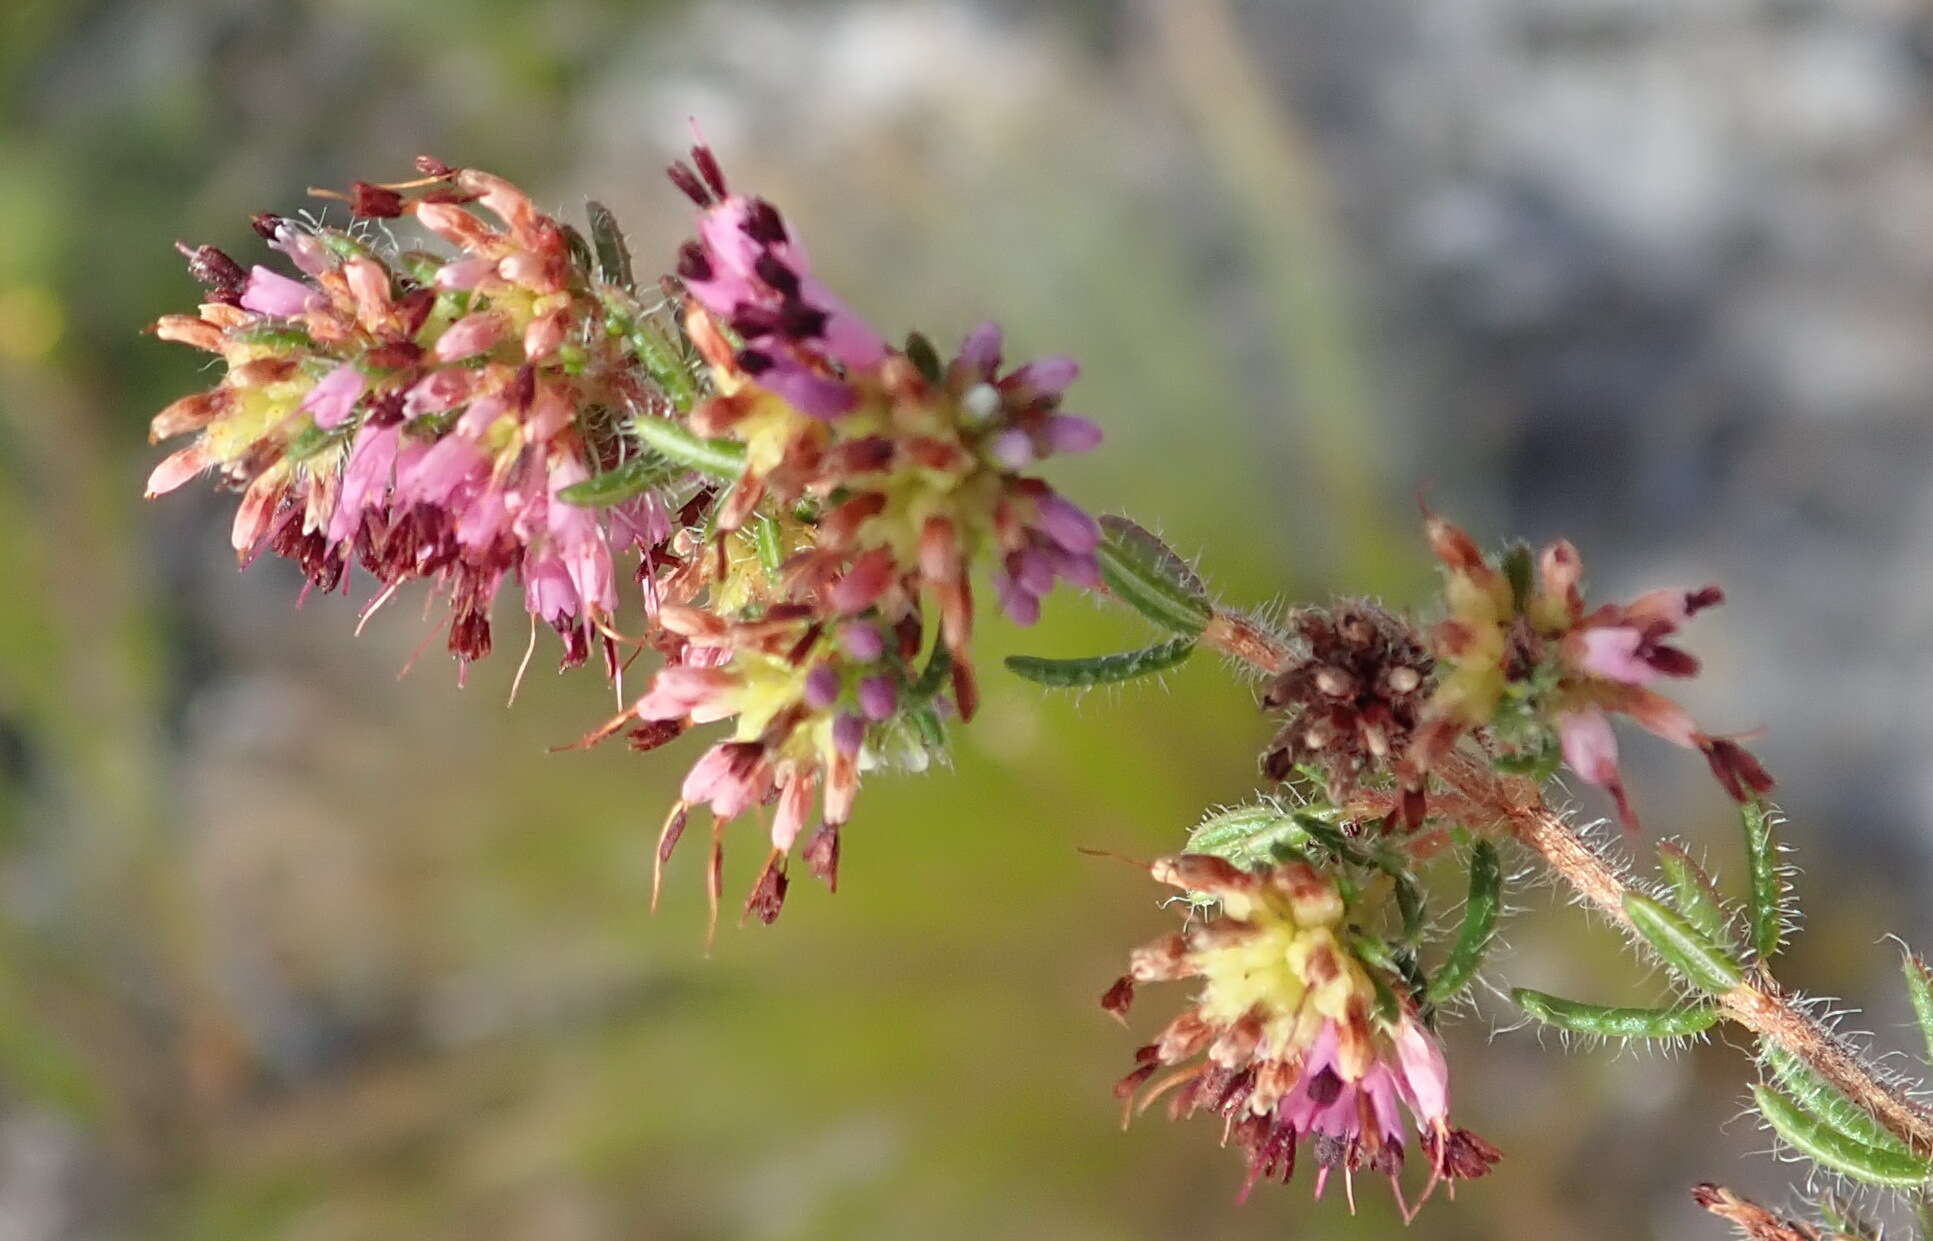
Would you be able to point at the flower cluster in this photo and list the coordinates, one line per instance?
(420, 413)
(1351, 699)
(1299, 1036)
(1520, 656)
(874, 478)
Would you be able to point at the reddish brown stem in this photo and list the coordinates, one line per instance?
(1757, 1003)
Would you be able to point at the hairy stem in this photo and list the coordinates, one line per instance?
(1757, 1002)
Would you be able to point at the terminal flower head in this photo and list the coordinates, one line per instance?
(1522, 656)
(1293, 1039)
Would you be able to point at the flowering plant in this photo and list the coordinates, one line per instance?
(731, 468)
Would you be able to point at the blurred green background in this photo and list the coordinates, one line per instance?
(291, 948)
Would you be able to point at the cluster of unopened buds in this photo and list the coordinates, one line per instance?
(730, 468)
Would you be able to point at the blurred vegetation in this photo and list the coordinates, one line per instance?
(292, 948)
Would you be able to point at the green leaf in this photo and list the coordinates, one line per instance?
(1766, 907)
(613, 255)
(1819, 1098)
(718, 458)
(1409, 905)
(1479, 927)
(1683, 946)
(1147, 575)
(1832, 1149)
(1606, 1021)
(635, 477)
(1103, 669)
(1919, 989)
(1248, 835)
(1693, 892)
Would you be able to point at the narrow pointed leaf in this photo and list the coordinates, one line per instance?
(1919, 988)
(613, 255)
(1766, 906)
(1606, 1021)
(1820, 1099)
(1248, 835)
(635, 477)
(663, 361)
(1833, 1150)
(1102, 669)
(1693, 892)
(673, 440)
(1147, 575)
(1685, 948)
(1479, 927)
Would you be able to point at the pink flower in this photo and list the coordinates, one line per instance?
(334, 396)
(365, 479)
(470, 335)
(271, 293)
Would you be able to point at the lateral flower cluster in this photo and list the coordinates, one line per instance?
(874, 479)
(1521, 656)
(1299, 1037)
(420, 413)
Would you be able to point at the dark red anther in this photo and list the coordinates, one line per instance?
(708, 168)
(822, 854)
(374, 202)
(763, 223)
(773, 271)
(768, 895)
(413, 310)
(212, 269)
(688, 184)
(1119, 998)
(393, 356)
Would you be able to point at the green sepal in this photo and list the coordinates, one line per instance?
(635, 477)
(925, 359)
(1377, 953)
(1820, 1099)
(933, 677)
(1686, 949)
(1147, 575)
(275, 336)
(1608, 1021)
(1538, 765)
(1103, 669)
(1919, 989)
(1693, 892)
(579, 250)
(1479, 927)
(673, 440)
(1831, 1149)
(1518, 571)
(765, 536)
(1766, 906)
(1409, 906)
(310, 441)
(613, 255)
